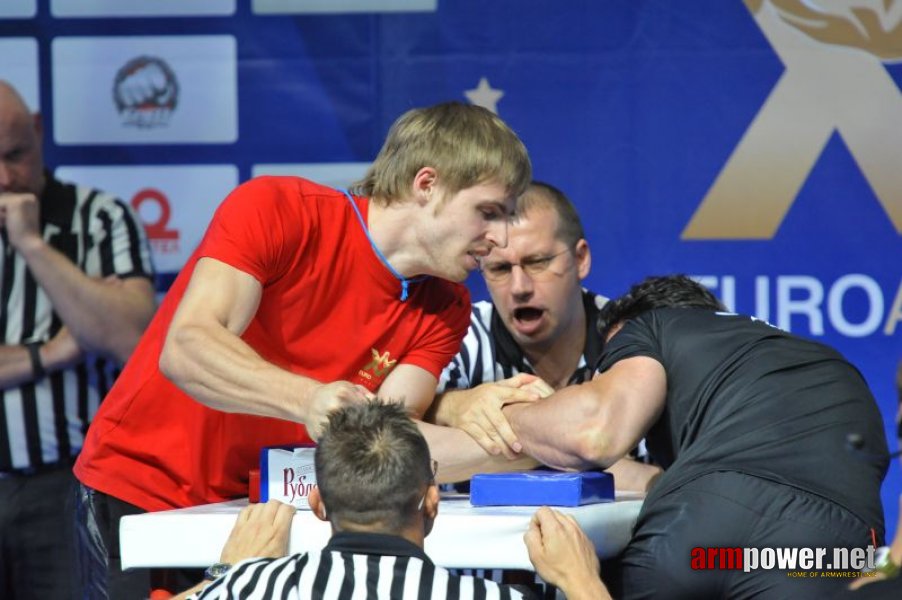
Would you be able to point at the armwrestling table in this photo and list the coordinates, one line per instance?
(464, 536)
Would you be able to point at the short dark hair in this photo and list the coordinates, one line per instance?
(372, 466)
(667, 291)
(544, 195)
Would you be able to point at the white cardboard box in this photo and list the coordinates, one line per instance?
(287, 474)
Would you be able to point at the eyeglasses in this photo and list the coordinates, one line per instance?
(434, 467)
(501, 271)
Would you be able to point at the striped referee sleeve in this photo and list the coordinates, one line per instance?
(475, 361)
(122, 249)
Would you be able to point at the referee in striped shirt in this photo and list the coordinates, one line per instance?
(376, 486)
(75, 281)
(537, 335)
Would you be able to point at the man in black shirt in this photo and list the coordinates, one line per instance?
(749, 422)
(886, 582)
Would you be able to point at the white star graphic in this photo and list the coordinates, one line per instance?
(484, 95)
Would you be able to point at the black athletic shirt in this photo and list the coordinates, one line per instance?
(745, 396)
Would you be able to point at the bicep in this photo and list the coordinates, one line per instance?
(633, 393)
(219, 294)
(412, 385)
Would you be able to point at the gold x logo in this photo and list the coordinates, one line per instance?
(381, 364)
(834, 81)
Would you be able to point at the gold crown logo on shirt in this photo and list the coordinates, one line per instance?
(380, 365)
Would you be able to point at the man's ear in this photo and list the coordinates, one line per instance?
(316, 504)
(430, 508)
(423, 183)
(583, 258)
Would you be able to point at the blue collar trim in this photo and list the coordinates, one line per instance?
(405, 282)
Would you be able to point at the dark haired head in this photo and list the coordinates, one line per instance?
(372, 466)
(668, 291)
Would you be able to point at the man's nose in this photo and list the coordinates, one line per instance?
(497, 233)
(521, 282)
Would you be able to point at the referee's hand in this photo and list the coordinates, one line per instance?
(563, 556)
(261, 531)
(477, 411)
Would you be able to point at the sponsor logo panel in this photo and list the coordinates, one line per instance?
(834, 59)
(175, 203)
(140, 8)
(853, 305)
(19, 66)
(799, 562)
(145, 89)
(341, 6)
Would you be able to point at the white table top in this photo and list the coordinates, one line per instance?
(464, 536)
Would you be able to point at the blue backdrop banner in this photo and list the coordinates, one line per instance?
(756, 144)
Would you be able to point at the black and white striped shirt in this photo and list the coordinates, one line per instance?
(367, 566)
(489, 353)
(44, 422)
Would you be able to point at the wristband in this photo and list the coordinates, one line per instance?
(34, 353)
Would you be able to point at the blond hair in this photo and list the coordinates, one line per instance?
(465, 144)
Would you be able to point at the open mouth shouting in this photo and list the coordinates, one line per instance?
(527, 319)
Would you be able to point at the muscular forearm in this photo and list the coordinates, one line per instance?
(218, 369)
(442, 412)
(102, 317)
(562, 432)
(460, 457)
(595, 423)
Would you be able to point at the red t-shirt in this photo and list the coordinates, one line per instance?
(330, 310)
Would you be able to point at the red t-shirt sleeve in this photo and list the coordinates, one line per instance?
(444, 330)
(259, 228)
